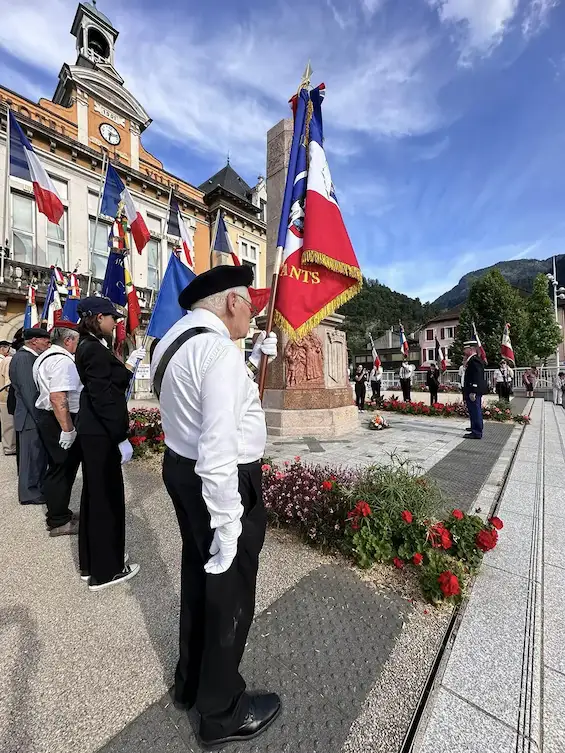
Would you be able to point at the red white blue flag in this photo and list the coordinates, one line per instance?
(506, 348)
(25, 164)
(177, 228)
(222, 241)
(480, 348)
(116, 200)
(319, 270)
(31, 318)
(70, 307)
(404, 347)
(53, 308)
(441, 360)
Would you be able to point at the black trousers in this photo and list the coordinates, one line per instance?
(360, 392)
(102, 528)
(376, 389)
(433, 397)
(216, 610)
(406, 387)
(62, 467)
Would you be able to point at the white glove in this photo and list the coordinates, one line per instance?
(264, 344)
(223, 548)
(137, 356)
(126, 451)
(67, 438)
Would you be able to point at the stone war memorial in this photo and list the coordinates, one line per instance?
(307, 389)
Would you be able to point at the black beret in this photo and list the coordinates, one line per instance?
(32, 332)
(215, 280)
(97, 304)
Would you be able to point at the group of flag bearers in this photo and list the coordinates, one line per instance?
(214, 449)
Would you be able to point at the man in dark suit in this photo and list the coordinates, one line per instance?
(474, 388)
(33, 459)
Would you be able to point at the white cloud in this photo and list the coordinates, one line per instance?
(220, 89)
(536, 16)
(481, 23)
(372, 6)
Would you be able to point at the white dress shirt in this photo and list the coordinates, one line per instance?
(58, 374)
(211, 411)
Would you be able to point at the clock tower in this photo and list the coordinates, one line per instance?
(108, 115)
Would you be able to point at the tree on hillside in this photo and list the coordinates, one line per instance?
(492, 303)
(543, 332)
(376, 308)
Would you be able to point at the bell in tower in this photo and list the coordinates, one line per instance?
(95, 35)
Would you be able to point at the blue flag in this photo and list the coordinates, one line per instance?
(114, 285)
(167, 311)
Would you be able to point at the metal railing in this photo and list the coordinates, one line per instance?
(390, 379)
(19, 275)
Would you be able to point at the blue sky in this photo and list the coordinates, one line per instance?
(445, 119)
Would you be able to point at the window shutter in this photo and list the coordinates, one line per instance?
(442, 333)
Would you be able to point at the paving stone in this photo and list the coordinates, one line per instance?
(153, 731)
(554, 627)
(513, 553)
(554, 718)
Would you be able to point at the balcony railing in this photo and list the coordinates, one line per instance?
(19, 275)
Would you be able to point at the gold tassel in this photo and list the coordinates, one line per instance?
(327, 310)
(316, 257)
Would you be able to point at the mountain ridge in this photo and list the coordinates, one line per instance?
(520, 273)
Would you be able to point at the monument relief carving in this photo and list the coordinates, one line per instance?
(304, 362)
(336, 359)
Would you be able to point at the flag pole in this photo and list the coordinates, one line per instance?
(213, 238)
(304, 84)
(6, 225)
(105, 165)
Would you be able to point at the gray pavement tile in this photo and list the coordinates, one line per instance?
(554, 627)
(518, 497)
(524, 471)
(553, 503)
(554, 539)
(512, 553)
(553, 716)
(457, 727)
(152, 732)
(554, 476)
(491, 640)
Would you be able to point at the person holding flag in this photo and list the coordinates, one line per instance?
(474, 387)
(212, 472)
(376, 374)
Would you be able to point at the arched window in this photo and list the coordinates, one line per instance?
(98, 43)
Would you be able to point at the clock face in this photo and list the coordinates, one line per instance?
(110, 134)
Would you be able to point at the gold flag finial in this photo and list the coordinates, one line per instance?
(306, 76)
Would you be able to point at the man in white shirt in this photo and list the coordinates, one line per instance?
(59, 385)
(212, 471)
(558, 382)
(8, 433)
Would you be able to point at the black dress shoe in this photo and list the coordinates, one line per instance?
(471, 436)
(262, 712)
(468, 429)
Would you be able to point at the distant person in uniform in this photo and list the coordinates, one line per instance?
(360, 387)
(212, 471)
(59, 386)
(558, 385)
(375, 379)
(432, 380)
(405, 375)
(32, 457)
(474, 388)
(103, 427)
(8, 432)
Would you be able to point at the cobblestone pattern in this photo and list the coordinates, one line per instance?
(321, 646)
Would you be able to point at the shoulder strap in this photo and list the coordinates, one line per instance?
(170, 352)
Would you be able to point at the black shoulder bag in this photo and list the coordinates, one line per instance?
(170, 352)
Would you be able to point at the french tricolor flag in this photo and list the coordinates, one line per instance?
(177, 228)
(222, 241)
(404, 347)
(25, 164)
(116, 194)
(31, 318)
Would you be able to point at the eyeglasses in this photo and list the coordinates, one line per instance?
(252, 311)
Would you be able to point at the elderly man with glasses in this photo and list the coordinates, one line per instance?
(215, 433)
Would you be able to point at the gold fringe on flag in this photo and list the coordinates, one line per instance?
(322, 260)
(319, 316)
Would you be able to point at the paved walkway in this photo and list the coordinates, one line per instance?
(503, 684)
(90, 672)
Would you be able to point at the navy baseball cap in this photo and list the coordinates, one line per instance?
(96, 304)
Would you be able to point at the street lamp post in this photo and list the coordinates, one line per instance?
(558, 293)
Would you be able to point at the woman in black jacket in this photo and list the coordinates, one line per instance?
(103, 426)
(432, 380)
